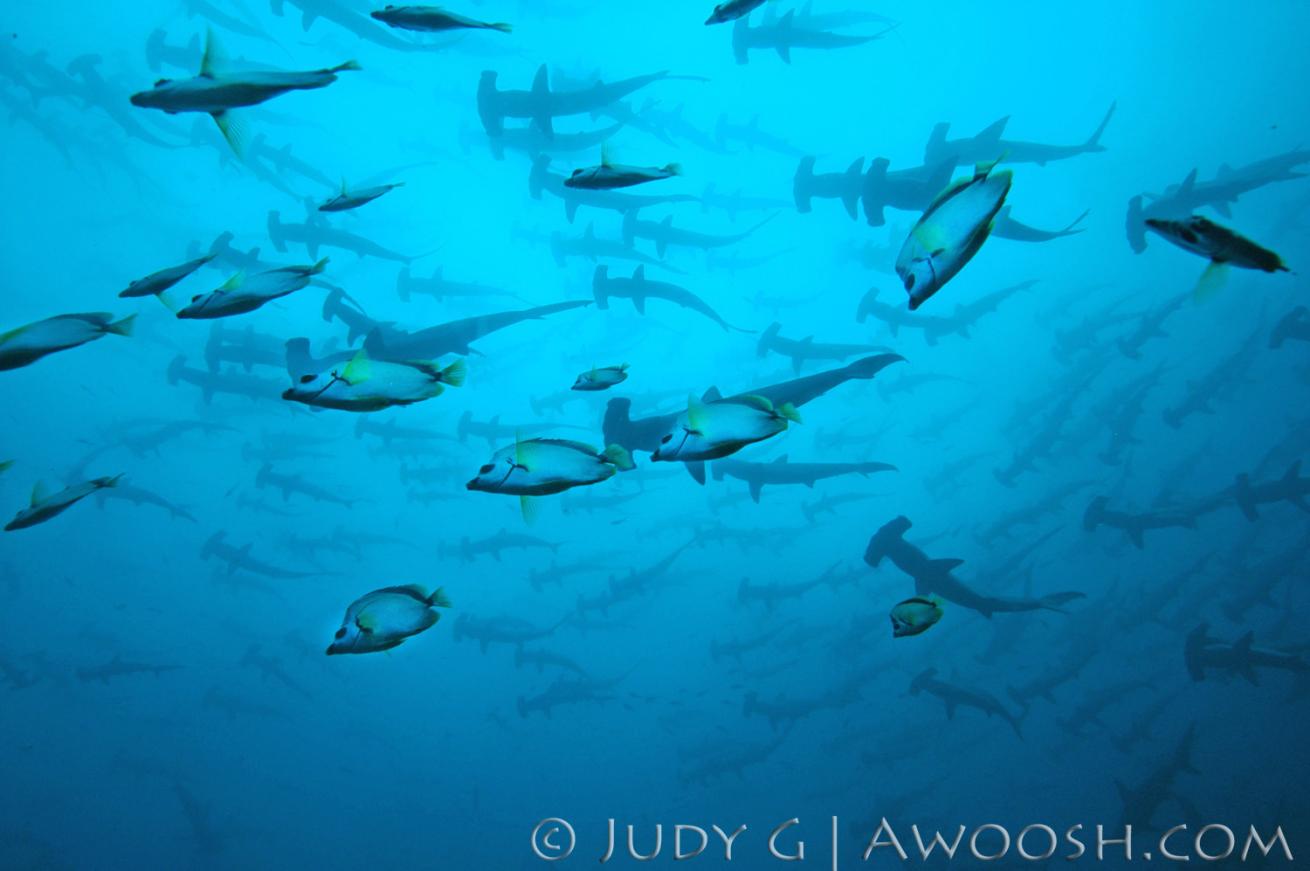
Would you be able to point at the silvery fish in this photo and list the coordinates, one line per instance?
(952, 230)
(241, 293)
(26, 345)
(157, 282)
(43, 507)
(602, 377)
(372, 385)
(347, 200)
(607, 176)
(710, 430)
(384, 618)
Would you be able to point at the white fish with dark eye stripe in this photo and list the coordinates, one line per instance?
(951, 231)
(915, 616)
(25, 345)
(602, 377)
(543, 467)
(384, 618)
(372, 385)
(241, 293)
(711, 430)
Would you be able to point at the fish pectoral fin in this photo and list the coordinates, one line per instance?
(234, 130)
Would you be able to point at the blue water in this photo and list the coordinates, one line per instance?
(163, 708)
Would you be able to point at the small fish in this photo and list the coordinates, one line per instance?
(384, 618)
(432, 19)
(241, 294)
(602, 378)
(951, 231)
(1218, 244)
(347, 200)
(25, 345)
(543, 467)
(607, 176)
(732, 9)
(711, 430)
(43, 508)
(372, 385)
(915, 616)
(157, 282)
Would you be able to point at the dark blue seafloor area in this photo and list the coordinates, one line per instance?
(1102, 427)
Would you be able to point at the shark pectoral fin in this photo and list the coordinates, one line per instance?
(756, 488)
(697, 470)
(639, 303)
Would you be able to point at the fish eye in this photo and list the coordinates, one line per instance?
(305, 379)
(486, 469)
(341, 633)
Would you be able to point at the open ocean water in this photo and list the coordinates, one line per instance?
(849, 414)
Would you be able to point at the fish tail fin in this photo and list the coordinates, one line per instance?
(318, 267)
(674, 169)
(501, 26)
(1056, 601)
(455, 373)
(788, 412)
(620, 457)
(121, 327)
(108, 482)
(348, 66)
(439, 599)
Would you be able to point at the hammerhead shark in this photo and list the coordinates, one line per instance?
(781, 472)
(541, 106)
(639, 288)
(801, 350)
(934, 575)
(954, 697)
(645, 434)
(784, 35)
(990, 144)
(239, 559)
(1202, 652)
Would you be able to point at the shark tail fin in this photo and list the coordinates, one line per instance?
(1094, 141)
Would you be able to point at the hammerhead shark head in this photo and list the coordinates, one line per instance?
(934, 575)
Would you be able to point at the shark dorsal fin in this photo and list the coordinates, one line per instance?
(212, 59)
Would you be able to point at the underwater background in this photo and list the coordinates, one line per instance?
(649, 648)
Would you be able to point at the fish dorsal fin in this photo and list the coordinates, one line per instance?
(541, 81)
(358, 370)
(639, 274)
(781, 460)
(1188, 183)
(993, 132)
(343, 185)
(754, 400)
(605, 154)
(1244, 643)
(696, 412)
(39, 493)
(212, 60)
(711, 395)
(407, 590)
